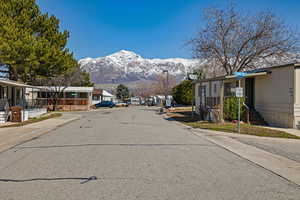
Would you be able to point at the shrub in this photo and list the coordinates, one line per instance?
(182, 93)
(231, 108)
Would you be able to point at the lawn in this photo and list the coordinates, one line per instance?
(187, 119)
(33, 120)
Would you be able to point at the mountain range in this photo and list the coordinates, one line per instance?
(130, 68)
(127, 66)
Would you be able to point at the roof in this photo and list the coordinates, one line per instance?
(107, 94)
(68, 89)
(79, 89)
(252, 73)
(15, 83)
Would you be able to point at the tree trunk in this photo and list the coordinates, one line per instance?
(13, 74)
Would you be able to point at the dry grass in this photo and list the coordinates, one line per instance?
(181, 109)
(33, 120)
(186, 118)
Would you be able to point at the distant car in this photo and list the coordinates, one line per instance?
(109, 104)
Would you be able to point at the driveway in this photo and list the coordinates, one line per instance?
(132, 153)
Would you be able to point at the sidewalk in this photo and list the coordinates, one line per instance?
(288, 130)
(281, 156)
(10, 137)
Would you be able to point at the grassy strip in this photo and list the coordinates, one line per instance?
(185, 118)
(33, 120)
(182, 109)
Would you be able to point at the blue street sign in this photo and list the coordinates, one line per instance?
(240, 75)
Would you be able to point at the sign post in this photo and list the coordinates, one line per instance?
(193, 77)
(239, 94)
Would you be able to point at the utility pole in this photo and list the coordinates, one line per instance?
(193, 77)
(193, 99)
(167, 86)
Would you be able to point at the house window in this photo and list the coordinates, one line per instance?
(18, 93)
(227, 89)
(71, 95)
(199, 90)
(1, 92)
(83, 95)
(215, 88)
(95, 97)
(202, 91)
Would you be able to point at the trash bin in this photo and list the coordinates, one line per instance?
(16, 114)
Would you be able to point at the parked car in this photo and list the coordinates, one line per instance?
(109, 104)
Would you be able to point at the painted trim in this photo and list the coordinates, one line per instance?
(295, 65)
(250, 75)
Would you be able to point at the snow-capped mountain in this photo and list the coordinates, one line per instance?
(126, 66)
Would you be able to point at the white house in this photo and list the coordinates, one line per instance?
(106, 96)
(12, 94)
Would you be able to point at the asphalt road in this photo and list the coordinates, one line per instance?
(128, 154)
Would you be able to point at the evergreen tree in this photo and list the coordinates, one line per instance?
(182, 93)
(31, 44)
(122, 92)
(82, 80)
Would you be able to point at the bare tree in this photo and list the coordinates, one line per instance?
(55, 86)
(210, 69)
(163, 85)
(237, 41)
(144, 89)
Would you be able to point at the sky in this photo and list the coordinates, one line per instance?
(151, 28)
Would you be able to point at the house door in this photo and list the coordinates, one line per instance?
(202, 95)
(250, 92)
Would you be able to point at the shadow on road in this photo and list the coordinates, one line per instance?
(83, 180)
(126, 145)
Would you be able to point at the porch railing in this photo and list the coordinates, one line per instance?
(31, 103)
(212, 102)
(247, 113)
(4, 106)
(67, 101)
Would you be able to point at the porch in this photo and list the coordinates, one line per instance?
(13, 94)
(70, 98)
(213, 94)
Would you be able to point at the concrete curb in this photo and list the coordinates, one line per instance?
(279, 165)
(34, 135)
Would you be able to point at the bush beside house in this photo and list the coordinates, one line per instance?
(231, 108)
(182, 93)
